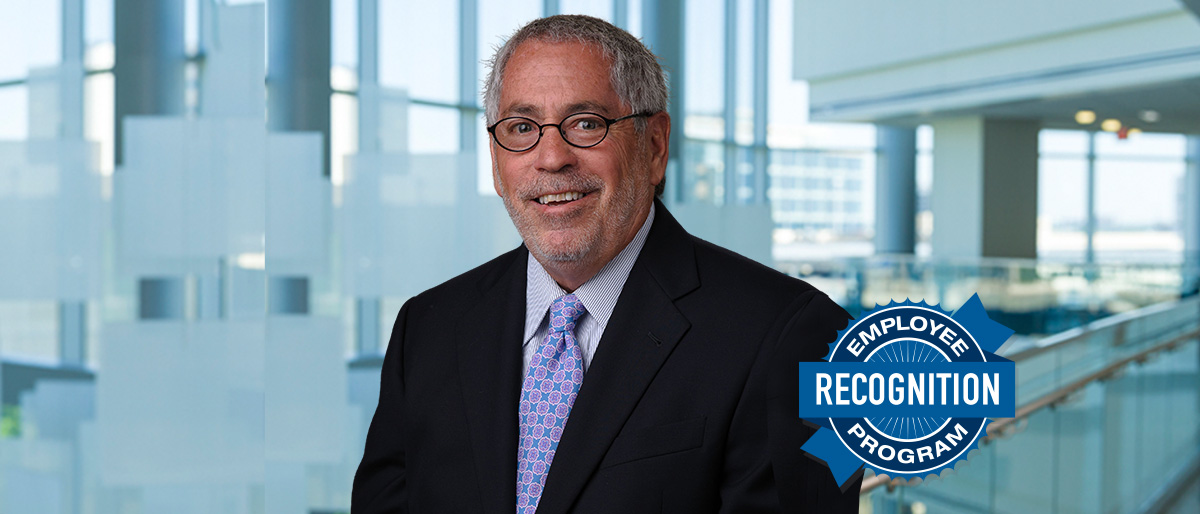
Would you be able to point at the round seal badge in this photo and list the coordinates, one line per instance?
(907, 390)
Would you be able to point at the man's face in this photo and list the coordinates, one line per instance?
(547, 82)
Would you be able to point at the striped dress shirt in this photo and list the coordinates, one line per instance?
(599, 296)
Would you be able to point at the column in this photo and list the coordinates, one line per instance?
(762, 23)
(368, 76)
(71, 75)
(366, 307)
(72, 313)
(985, 188)
(1191, 218)
(468, 73)
(729, 178)
(149, 61)
(896, 190)
(149, 80)
(298, 64)
(298, 95)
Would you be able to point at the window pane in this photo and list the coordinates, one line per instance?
(788, 97)
(822, 203)
(925, 138)
(30, 35)
(98, 116)
(497, 21)
(14, 112)
(744, 175)
(343, 137)
(842, 136)
(1172, 146)
(97, 21)
(703, 166)
(704, 69)
(1062, 208)
(1073, 142)
(344, 33)
(924, 190)
(432, 129)
(191, 27)
(418, 48)
(635, 17)
(1138, 210)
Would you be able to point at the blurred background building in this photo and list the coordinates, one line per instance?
(211, 211)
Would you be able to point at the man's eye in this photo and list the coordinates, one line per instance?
(587, 124)
(523, 128)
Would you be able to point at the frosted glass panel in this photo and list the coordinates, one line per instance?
(201, 423)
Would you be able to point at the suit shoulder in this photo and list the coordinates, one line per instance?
(730, 269)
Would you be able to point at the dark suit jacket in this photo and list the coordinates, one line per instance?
(689, 405)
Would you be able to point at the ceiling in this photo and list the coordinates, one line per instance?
(1177, 104)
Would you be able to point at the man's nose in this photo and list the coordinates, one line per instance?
(553, 152)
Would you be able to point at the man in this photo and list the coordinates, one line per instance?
(613, 363)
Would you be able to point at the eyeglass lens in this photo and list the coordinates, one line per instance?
(582, 130)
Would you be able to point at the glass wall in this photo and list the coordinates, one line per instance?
(1122, 197)
(822, 175)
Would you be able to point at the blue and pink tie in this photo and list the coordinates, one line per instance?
(547, 395)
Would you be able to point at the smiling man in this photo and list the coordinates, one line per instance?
(613, 363)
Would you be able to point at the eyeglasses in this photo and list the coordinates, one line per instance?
(581, 130)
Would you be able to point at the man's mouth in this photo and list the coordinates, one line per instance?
(560, 198)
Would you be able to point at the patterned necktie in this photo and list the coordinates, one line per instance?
(549, 391)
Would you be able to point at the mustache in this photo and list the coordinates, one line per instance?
(543, 184)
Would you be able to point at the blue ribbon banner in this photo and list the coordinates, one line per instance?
(907, 390)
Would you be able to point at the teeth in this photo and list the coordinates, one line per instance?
(561, 197)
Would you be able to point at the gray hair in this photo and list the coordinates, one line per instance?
(636, 76)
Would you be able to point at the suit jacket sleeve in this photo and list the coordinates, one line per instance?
(804, 483)
(380, 483)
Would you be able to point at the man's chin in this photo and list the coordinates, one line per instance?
(560, 249)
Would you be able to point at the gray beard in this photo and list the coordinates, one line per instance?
(584, 243)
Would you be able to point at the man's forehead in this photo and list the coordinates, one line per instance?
(587, 87)
(532, 110)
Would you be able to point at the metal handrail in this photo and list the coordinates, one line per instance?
(999, 427)
(993, 262)
(1080, 334)
(996, 428)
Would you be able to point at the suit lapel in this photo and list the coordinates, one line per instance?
(640, 335)
(488, 343)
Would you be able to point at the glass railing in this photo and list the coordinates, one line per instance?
(1107, 418)
(1031, 297)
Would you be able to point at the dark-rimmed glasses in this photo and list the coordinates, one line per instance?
(581, 130)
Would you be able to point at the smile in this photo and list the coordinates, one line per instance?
(560, 198)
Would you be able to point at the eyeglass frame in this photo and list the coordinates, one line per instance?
(608, 122)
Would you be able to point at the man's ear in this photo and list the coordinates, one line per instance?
(658, 137)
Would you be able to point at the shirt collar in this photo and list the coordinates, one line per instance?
(598, 295)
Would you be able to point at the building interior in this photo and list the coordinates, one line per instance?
(212, 210)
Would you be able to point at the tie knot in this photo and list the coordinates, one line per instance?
(564, 312)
